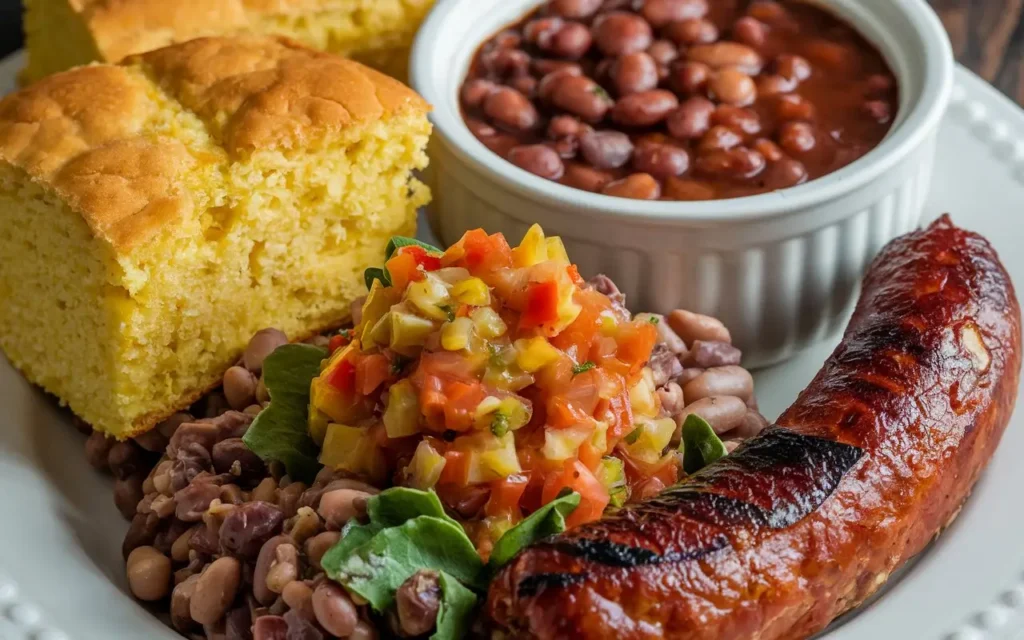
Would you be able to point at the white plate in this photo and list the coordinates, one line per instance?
(61, 574)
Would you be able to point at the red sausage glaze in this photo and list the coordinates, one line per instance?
(805, 521)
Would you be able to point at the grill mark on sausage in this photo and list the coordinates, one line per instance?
(535, 584)
(613, 554)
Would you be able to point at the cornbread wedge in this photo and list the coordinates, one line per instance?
(154, 215)
(61, 34)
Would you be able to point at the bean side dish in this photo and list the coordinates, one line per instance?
(369, 482)
(679, 99)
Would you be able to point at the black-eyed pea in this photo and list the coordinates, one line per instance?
(695, 326)
(149, 574)
(723, 413)
(638, 186)
(731, 380)
(334, 610)
(215, 590)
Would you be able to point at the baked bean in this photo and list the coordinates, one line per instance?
(511, 110)
(507, 39)
(584, 177)
(572, 41)
(750, 31)
(719, 138)
(543, 66)
(774, 85)
(320, 544)
(792, 67)
(721, 55)
(880, 83)
(639, 186)
(688, 190)
(767, 11)
(786, 172)
(644, 109)
(690, 78)
(738, 119)
(692, 31)
(505, 63)
(581, 96)
(334, 610)
(634, 73)
(339, 506)
(127, 494)
(260, 346)
(831, 55)
(794, 107)
(661, 160)
(692, 119)
(215, 590)
(476, 91)
(480, 129)
(606, 149)
(417, 602)
(672, 399)
(541, 31)
(574, 8)
(563, 126)
(797, 137)
(525, 85)
(239, 387)
(663, 52)
(538, 159)
(695, 326)
(149, 574)
(723, 413)
(661, 12)
(566, 148)
(547, 85)
(739, 163)
(733, 86)
(97, 448)
(729, 380)
(879, 110)
(618, 33)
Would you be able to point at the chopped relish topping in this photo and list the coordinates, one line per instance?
(496, 377)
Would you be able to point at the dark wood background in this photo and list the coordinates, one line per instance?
(988, 37)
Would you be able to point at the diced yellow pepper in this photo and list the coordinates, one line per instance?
(562, 444)
(651, 439)
(515, 413)
(612, 474)
(455, 335)
(532, 250)
(488, 323)
(556, 250)
(600, 437)
(409, 331)
(472, 291)
(507, 378)
(378, 302)
(330, 401)
(487, 406)
(425, 467)
(353, 449)
(493, 458)
(402, 415)
(535, 353)
(642, 396)
(318, 422)
(609, 325)
(429, 296)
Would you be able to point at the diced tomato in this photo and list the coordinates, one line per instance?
(403, 269)
(593, 496)
(432, 401)
(479, 252)
(371, 371)
(589, 455)
(423, 258)
(541, 305)
(461, 401)
(505, 496)
(636, 340)
(578, 336)
(456, 469)
(338, 342)
(574, 275)
(343, 377)
(617, 411)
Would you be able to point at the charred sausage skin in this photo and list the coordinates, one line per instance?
(807, 520)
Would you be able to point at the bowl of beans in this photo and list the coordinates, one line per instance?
(742, 158)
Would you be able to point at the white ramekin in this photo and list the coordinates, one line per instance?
(779, 269)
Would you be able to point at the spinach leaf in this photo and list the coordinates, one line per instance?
(280, 432)
(456, 612)
(700, 444)
(395, 506)
(544, 522)
(376, 273)
(397, 242)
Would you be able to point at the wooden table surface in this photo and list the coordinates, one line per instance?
(988, 37)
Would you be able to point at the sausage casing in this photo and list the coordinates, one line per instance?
(808, 519)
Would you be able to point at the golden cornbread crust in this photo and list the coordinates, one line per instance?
(77, 131)
(155, 214)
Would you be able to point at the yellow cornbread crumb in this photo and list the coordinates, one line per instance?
(154, 215)
(61, 34)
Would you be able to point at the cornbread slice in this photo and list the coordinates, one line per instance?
(61, 34)
(154, 215)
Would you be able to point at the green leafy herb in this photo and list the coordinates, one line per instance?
(544, 522)
(582, 368)
(700, 444)
(376, 273)
(654, 319)
(281, 431)
(447, 308)
(499, 424)
(397, 242)
(409, 531)
(634, 435)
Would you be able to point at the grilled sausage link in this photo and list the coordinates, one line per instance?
(807, 520)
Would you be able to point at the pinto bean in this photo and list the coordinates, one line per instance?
(663, 52)
(215, 590)
(341, 505)
(506, 62)
(688, 190)
(606, 149)
(127, 495)
(634, 73)
(691, 78)
(739, 163)
(585, 177)
(768, 149)
(572, 41)
(334, 610)
(722, 55)
(694, 326)
(476, 91)
(750, 31)
(618, 33)
(538, 159)
(719, 138)
(181, 597)
(661, 160)
(644, 109)
(511, 110)
(539, 32)
(734, 87)
(581, 96)
(723, 413)
(786, 172)
(261, 345)
(266, 558)
(774, 85)
(692, 119)
(639, 186)
(706, 354)
(738, 119)
(794, 107)
(574, 8)
(284, 568)
(239, 387)
(753, 423)
(692, 31)
(298, 596)
(673, 401)
(797, 138)
(661, 12)
(149, 574)
(729, 380)
(320, 544)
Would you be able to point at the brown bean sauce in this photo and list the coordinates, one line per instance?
(717, 98)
